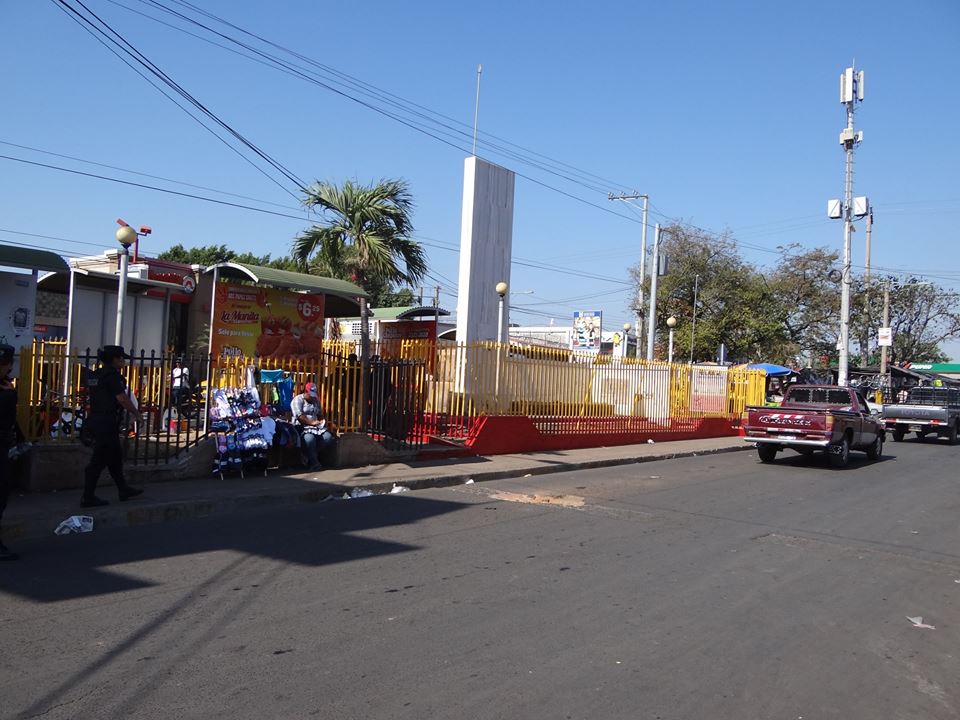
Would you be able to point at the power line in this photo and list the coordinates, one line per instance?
(111, 36)
(143, 174)
(151, 187)
(552, 165)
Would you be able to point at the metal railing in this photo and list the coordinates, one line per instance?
(413, 390)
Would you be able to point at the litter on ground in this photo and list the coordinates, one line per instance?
(75, 524)
(397, 489)
(919, 623)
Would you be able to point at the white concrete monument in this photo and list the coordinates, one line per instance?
(486, 243)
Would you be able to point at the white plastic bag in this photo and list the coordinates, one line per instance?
(75, 524)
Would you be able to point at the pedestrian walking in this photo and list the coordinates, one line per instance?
(108, 397)
(9, 436)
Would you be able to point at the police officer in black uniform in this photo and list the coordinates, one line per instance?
(9, 434)
(108, 397)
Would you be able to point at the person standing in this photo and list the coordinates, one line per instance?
(309, 417)
(107, 398)
(180, 383)
(9, 435)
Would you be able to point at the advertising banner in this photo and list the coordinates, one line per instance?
(263, 322)
(587, 330)
(409, 330)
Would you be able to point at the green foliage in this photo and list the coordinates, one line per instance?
(364, 234)
(922, 315)
(213, 254)
(790, 313)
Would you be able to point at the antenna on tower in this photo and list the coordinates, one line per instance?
(476, 110)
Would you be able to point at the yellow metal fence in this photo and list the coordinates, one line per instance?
(423, 387)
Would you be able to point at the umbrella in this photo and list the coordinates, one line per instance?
(771, 370)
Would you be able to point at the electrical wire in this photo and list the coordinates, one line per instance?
(147, 175)
(111, 36)
(374, 92)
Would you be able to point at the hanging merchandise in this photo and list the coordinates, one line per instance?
(285, 391)
(240, 434)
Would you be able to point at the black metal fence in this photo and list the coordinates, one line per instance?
(173, 394)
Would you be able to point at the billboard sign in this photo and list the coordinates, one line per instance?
(587, 330)
(262, 322)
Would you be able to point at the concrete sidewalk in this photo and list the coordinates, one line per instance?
(32, 515)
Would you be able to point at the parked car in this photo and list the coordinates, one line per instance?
(816, 418)
(927, 411)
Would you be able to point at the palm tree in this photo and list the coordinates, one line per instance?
(364, 235)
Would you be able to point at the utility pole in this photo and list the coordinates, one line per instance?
(851, 92)
(654, 274)
(643, 253)
(693, 329)
(886, 323)
(865, 339)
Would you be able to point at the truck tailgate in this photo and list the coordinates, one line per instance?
(914, 412)
(790, 421)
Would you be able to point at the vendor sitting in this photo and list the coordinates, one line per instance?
(309, 418)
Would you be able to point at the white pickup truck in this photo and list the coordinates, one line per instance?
(927, 411)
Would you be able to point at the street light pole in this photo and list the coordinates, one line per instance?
(671, 323)
(126, 236)
(501, 289)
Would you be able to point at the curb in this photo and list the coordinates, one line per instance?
(42, 524)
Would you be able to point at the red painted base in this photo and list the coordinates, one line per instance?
(502, 435)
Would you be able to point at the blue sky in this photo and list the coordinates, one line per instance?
(727, 114)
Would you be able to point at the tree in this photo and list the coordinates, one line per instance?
(806, 286)
(733, 300)
(922, 316)
(207, 255)
(365, 232)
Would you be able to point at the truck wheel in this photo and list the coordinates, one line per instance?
(875, 451)
(898, 435)
(840, 459)
(766, 453)
(952, 434)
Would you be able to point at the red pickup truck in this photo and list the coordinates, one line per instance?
(812, 418)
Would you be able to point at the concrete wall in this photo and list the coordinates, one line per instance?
(486, 246)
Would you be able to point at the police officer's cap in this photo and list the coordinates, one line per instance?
(109, 352)
(6, 354)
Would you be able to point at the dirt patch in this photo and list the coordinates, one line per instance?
(569, 501)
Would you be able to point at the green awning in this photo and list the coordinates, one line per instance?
(32, 259)
(342, 296)
(407, 312)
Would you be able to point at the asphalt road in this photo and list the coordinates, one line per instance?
(710, 587)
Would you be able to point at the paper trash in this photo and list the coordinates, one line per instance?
(919, 623)
(75, 524)
(396, 489)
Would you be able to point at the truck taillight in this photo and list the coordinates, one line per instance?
(829, 422)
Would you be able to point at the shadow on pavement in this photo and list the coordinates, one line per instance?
(858, 460)
(73, 566)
